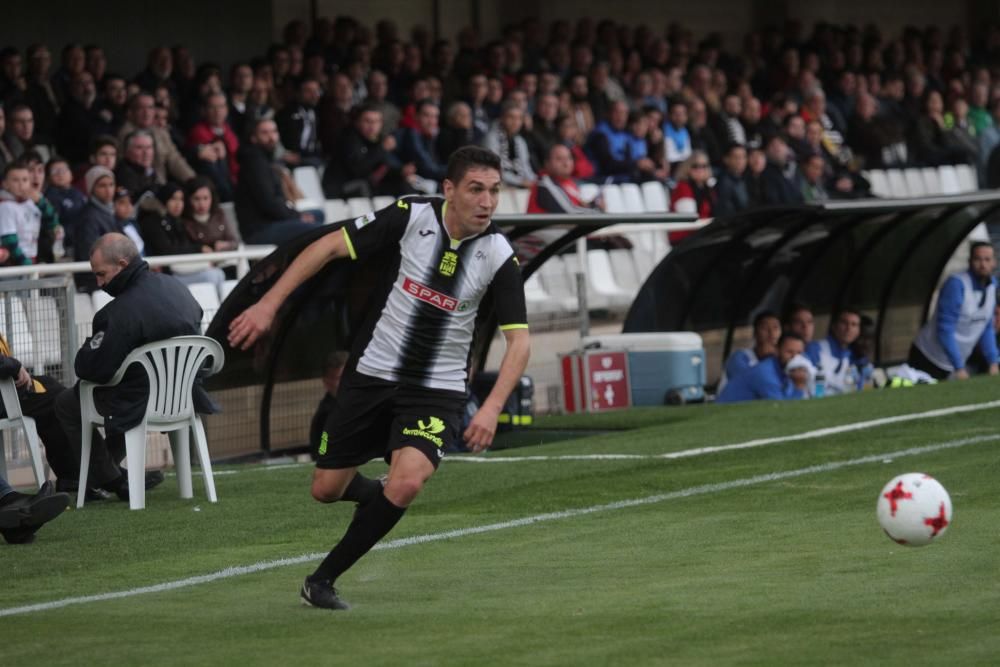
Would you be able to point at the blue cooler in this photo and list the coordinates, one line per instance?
(664, 367)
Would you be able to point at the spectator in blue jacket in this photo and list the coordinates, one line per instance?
(419, 144)
(771, 378)
(619, 154)
(962, 320)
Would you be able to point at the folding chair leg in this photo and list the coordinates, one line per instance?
(135, 450)
(180, 441)
(88, 436)
(3, 456)
(31, 433)
(201, 445)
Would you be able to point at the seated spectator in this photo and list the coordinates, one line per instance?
(21, 219)
(240, 85)
(203, 219)
(726, 124)
(419, 144)
(812, 180)
(505, 139)
(378, 92)
(878, 139)
(159, 68)
(113, 107)
(51, 229)
(783, 376)
(676, 135)
(766, 333)
(798, 319)
(576, 102)
(125, 220)
(544, 129)
(298, 126)
(22, 515)
(556, 191)
(583, 168)
(22, 129)
(213, 146)
(168, 161)
(989, 139)
(458, 130)
(702, 137)
(80, 120)
(66, 199)
(731, 193)
(7, 155)
(963, 132)
(40, 94)
(693, 194)
(164, 234)
(620, 156)
(96, 219)
(103, 152)
(364, 164)
(334, 115)
(961, 322)
(834, 356)
(814, 108)
(265, 213)
(754, 176)
(135, 172)
(779, 181)
(933, 144)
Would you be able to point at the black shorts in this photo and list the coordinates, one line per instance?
(375, 417)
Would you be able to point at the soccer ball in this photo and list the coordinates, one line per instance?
(914, 509)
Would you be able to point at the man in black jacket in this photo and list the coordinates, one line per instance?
(364, 165)
(147, 307)
(298, 127)
(265, 213)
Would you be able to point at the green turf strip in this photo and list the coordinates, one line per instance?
(787, 572)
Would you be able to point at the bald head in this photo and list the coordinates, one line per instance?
(114, 247)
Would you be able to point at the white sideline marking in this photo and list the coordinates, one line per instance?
(503, 525)
(760, 442)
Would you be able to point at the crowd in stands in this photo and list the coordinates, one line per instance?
(784, 117)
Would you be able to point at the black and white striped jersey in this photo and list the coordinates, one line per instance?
(420, 326)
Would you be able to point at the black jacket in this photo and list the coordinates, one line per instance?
(148, 307)
(260, 200)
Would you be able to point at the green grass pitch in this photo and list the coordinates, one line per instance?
(790, 571)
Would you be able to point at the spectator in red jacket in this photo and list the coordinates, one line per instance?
(213, 146)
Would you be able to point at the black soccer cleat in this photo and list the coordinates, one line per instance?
(321, 594)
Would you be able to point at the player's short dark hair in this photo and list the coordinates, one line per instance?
(792, 309)
(13, 166)
(101, 141)
(788, 335)
(841, 310)
(468, 157)
(763, 315)
(29, 158)
(975, 245)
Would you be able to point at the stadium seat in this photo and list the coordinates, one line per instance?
(100, 298)
(308, 181)
(655, 197)
(228, 209)
(335, 210)
(949, 180)
(897, 184)
(932, 180)
(601, 285)
(614, 201)
(624, 268)
(382, 201)
(171, 366)
(358, 206)
(521, 196)
(83, 309)
(538, 302)
(915, 182)
(632, 198)
(507, 205)
(226, 287)
(589, 192)
(19, 337)
(879, 181)
(45, 324)
(207, 296)
(16, 419)
(559, 282)
(967, 179)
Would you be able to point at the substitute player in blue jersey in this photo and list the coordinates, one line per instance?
(405, 384)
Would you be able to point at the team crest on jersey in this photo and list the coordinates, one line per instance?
(449, 262)
(365, 219)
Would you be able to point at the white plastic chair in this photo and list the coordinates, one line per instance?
(949, 180)
(359, 206)
(655, 197)
(559, 282)
(897, 184)
(624, 268)
(19, 334)
(100, 299)
(879, 181)
(932, 181)
(16, 419)
(967, 179)
(507, 205)
(335, 210)
(915, 182)
(521, 196)
(589, 192)
(614, 202)
(382, 201)
(632, 198)
(601, 282)
(207, 296)
(307, 180)
(225, 288)
(171, 366)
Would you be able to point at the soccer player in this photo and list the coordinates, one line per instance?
(405, 384)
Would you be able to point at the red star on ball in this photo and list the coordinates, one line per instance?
(895, 495)
(938, 523)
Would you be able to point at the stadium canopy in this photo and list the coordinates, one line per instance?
(323, 314)
(885, 258)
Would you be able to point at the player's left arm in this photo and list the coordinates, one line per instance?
(482, 428)
(508, 294)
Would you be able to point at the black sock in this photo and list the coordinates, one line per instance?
(371, 524)
(362, 490)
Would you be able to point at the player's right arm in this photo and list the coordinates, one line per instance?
(254, 322)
